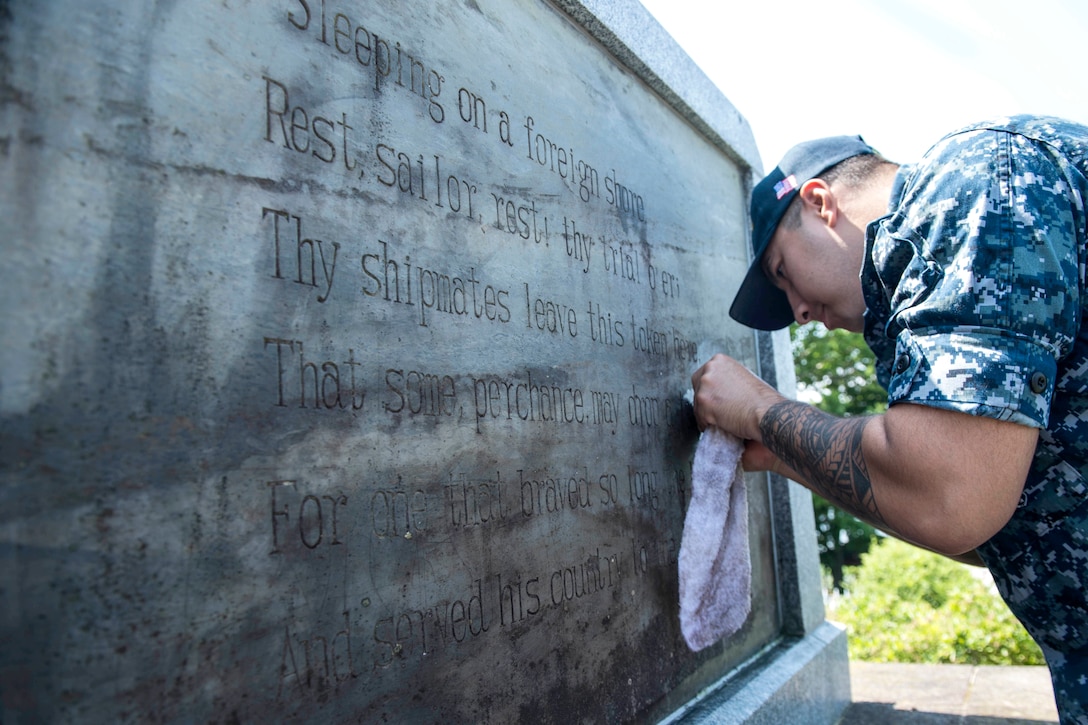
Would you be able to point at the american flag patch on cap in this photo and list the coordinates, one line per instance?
(785, 186)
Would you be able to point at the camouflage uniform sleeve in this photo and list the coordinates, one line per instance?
(980, 271)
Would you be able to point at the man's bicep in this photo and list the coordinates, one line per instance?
(955, 477)
(976, 450)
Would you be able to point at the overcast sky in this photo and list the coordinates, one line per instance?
(899, 72)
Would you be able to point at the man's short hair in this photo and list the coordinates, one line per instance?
(852, 173)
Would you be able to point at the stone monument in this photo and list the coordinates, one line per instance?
(344, 363)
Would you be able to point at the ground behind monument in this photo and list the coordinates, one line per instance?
(923, 694)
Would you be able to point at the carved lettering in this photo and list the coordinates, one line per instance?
(474, 502)
(443, 550)
(642, 488)
(422, 632)
(499, 399)
(666, 283)
(579, 245)
(315, 665)
(398, 512)
(419, 393)
(593, 575)
(561, 160)
(318, 385)
(648, 340)
(314, 517)
(305, 260)
(518, 600)
(296, 129)
(435, 292)
(549, 315)
(387, 63)
(549, 494)
(413, 174)
(621, 261)
(685, 350)
(605, 408)
(643, 410)
(603, 329)
(521, 219)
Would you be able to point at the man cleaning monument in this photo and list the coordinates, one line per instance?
(966, 274)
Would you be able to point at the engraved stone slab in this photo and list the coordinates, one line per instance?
(345, 347)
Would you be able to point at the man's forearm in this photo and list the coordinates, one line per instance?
(826, 452)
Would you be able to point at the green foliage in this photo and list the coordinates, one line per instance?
(841, 539)
(836, 372)
(904, 604)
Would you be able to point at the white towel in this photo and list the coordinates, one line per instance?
(715, 565)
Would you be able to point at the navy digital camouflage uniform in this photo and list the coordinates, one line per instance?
(975, 286)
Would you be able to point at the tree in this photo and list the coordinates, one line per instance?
(836, 372)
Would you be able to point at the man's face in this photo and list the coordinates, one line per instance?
(818, 270)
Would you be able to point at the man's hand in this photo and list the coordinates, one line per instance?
(728, 396)
(758, 457)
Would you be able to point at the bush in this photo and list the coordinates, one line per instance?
(904, 604)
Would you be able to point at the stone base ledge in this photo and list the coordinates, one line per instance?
(798, 682)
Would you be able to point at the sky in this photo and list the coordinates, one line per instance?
(901, 73)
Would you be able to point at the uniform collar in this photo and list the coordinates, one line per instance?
(877, 307)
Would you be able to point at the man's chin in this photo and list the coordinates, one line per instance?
(848, 325)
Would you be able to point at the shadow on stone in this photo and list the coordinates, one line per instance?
(883, 713)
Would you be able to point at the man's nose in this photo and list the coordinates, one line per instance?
(802, 313)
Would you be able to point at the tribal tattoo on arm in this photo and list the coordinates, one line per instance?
(826, 451)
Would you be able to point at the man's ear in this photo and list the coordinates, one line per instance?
(818, 197)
